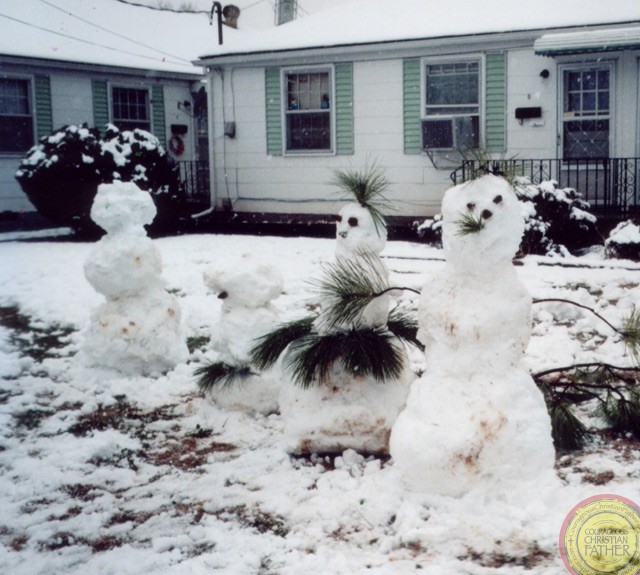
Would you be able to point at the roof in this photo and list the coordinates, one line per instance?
(105, 33)
(361, 22)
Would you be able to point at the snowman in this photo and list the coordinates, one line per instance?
(476, 417)
(247, 312)
(137, 330)
(345, 410)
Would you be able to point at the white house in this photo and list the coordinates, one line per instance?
(414, 85)
(72, 61)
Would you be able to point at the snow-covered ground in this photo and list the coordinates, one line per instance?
(105, 474)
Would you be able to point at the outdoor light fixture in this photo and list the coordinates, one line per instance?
(544, 74)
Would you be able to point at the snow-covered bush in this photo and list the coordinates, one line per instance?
(557, 220)
(61, 174)
(624, 241)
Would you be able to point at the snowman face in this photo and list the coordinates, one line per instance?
(356, 231)
(122, 206)
(491, 201)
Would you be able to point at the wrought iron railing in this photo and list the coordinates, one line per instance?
(194, 178)
(610, 185)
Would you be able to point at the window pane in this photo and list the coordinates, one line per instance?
(603, 102)
(451, 110)
(589, 81)
(588, 102)
(307, 91)
(14, 96)
(574, 102)
(16, 133)
(603, 79)
(130, 104)
(586, 139)
(451, 84)
(309, 131)
(466, 131)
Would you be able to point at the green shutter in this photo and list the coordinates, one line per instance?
(274, 111)
(44, 116)
(344, 108)
(158, 123)
(100, 104)
(495, 102)
(411, 106)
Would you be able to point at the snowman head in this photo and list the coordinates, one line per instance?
(356, 231)
(491, 206)
(122, 206)
(249, 284)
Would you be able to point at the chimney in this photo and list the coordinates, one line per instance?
(285, 11)
(230, 13)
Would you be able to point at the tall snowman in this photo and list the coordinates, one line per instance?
(137, 330)
(475, 417)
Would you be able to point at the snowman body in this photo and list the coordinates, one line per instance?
(246, 314)
(137, 330)
(475, 417)
(347, 411)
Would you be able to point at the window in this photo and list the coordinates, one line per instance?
(16, 115)
(130, 108)
(452, 105)
(308, 111)
(586, 113)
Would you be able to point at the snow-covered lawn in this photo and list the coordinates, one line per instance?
(105, 474)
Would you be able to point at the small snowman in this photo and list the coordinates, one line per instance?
(475, 418)
(137, 330)
(341, 402)
(247, 313)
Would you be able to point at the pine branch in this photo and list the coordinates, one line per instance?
(367, 188)
(468, 224)
(578, 366)
(568, 432)
(361, 352)
(631, 335)
(348, 286)
(622, 414)
(268, 348)
(404, 326)
(581, 306)
(220, 375)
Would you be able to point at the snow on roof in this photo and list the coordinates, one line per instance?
(105, 32)
(372, 21)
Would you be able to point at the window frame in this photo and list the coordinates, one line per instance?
(582, 66)
(32, 111)
(284, 73)
(124, 86)
(453, 59)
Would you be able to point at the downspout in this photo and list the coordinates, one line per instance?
(212, 151)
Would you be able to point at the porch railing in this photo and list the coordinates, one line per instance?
(610, 185)
(194, 177)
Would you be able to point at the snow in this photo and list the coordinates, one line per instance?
(625, 233)
(360, 22)
(161, 495)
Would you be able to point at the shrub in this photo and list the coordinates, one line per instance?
(556, 220)
(624, 241)
(61, 174)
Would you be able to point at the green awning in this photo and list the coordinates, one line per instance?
(588, 41)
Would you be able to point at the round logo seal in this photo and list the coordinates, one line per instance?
(602, 535)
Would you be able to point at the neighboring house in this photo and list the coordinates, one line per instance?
(414, 86)
(72, 61)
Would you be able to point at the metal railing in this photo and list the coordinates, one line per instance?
(610, 185)
(194, 179)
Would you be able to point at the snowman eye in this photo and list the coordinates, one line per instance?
(497, 200)
(471, 206)
(337, 218)
(223, 295)
(353, 222)
(486, 214)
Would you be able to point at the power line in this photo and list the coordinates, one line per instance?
(85, 41)
(112, 32)
(160, 9)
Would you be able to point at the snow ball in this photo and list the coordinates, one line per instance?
(122, 206)
(491, 201)
(356, 231)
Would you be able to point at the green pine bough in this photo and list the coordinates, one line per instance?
(221, 375)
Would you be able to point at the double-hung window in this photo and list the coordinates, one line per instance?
(16, 115)
(451, 113)
(130, 108)
(308, 110)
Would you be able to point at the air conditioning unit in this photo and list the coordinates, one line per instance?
(455, 133)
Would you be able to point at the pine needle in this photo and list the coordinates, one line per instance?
(268, 348)
(220, 375)
(468, 224)
(371, 352)
(348, 286)
(631, 335)
(569, 433)
(367, 187)
(404, 325)
(622, 414)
